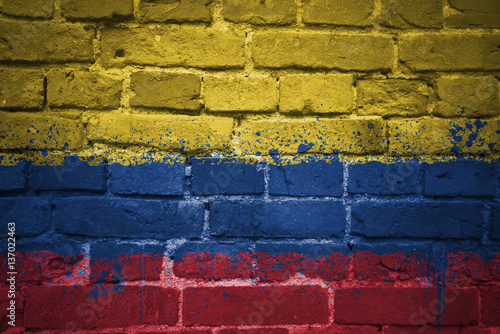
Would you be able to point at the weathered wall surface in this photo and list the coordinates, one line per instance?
(267, 166)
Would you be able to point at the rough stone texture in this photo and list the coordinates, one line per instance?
(430, 330)
(260, 12)
(308, 190)
(473, 14)
(339, 329)
(233, 305)
(124, 306)
(495, 221)
(470, 97)
(240, 93)
(165, 90)
(97, 9)
(357, 52)
(177, 10)
(461, 178)
(316, 93)
(128, 218)
(338, 12)
(417, 220)
(148, 179)
(442, 136)
(312, 178)
(45, 42)
(74, 174)
(35, 131)
(393, 97)
(225, 177)
(189, 46)
(29, 8)
(122, 262)
(395, 306)
(490, 295)
(310, 135)
(261, 219)
(378, 178)
(412, 14)
(170, 132)
(23, 211)
(21, 88)
(14, 178)
(449, 52)
(68, 88)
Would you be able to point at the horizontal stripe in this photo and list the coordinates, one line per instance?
(262, 137)
(109, 262)
(285, 289)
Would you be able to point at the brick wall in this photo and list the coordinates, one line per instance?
(199, 166)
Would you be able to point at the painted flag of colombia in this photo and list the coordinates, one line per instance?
(258, 166)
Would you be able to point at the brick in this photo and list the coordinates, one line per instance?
(96, 9)
(338, 12)
(405, 306)
(449, 52)
(29, 8)
(80, 89)
(316, 135)
(309, 178)
(459, 178)
(425, 329)
(280, 261)
(260, 12)
(17, 313)
(165, 90)
(213, 176)
(253, 93)
(478, 330)
(277, 219)
(24, 211)
(155, 178)
(380, 178)
(183, 331)
(316, 93)
(384, 263)
(473, 14)
(393, 97)
(74, 174)
(255, 305)
(21, 89)
(410, 14)
(469, 97)
(185, 46)
(468, 268)
(339, 329)
(45, 42)
(168, 132)
(55, 263)
(418, 220)
(254, 331)
(128, 218)
(112, 262)
(495, 221)
(100, 306)
(14, 178)
(40, 131)
(314, 50)
(490, 305)
(182, 11)
(214, 261)
(442, 136)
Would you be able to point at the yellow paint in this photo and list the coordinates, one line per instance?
(178, 133)
(311, 135)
